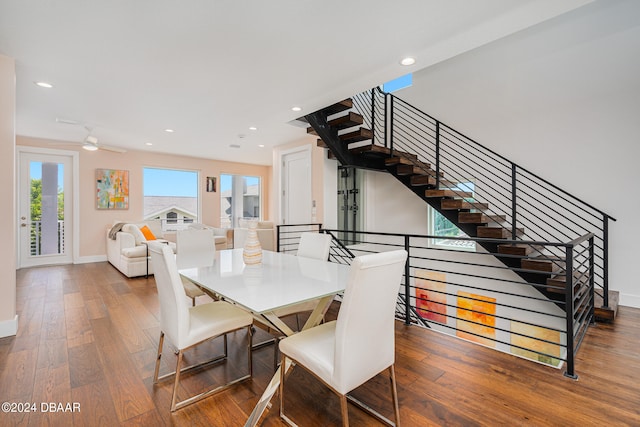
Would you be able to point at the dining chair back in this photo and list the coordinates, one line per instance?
(186, 326)
(361, 343)
(195, 248)
(314, 245)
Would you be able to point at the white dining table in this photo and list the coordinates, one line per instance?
(281, 280)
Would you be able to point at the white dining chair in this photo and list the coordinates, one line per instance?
(311, 246)
(194, 248)
(315, 245)
(346, 353)
(185, 327)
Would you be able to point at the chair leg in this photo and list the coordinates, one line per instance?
(250, 351)
(174, 397)
(394, 394)
(282, 364)
(158, 356)
(193, 301)
(344, 409)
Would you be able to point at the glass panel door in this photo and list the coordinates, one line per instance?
(45, 211)
(350, 199)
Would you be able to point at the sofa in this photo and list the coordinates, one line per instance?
(127, 246)
(266, 235)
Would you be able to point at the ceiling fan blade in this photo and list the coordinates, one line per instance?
(111, 148)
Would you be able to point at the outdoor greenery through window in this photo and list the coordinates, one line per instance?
(171, 196)
(47, 208)
(441, 226)
(240, 200)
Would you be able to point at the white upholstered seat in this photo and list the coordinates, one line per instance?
(360, 344)
(185, 326)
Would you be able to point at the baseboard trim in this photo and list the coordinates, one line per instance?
(629, 300)
(9, 328)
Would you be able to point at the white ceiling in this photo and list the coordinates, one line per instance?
(211, 69)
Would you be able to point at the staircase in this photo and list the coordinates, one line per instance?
(378, 131)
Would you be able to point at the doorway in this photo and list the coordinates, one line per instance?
(350, 201)
(296, 187)
(45, 207)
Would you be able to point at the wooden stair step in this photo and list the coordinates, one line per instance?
(548, 264)
(391, 161)
(607, 314)
(338, 107)
(321, 143)
(416, 170)
(448, 193)
(379, 150)
(479, 218)
(453, 204)
(518, 249)
(350, 119)
(362, 134)
(496, 232)
(418, 180)
(560, 280)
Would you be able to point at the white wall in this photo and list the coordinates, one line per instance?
(8, 318)
(561, 99)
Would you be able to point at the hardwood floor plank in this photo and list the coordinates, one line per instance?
(441, 380)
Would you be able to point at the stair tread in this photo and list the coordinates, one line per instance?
(550, 264)
(395, 160)
(379, 150)
(607, 314)
(452, 204)
(520, 249)
(496, 232)
(402, 169)
(479, 218)
(361, 134)
(448, 193)
(350, 119)
(338, 107)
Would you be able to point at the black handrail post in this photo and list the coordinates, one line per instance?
(373, 116)
(605, 261)
(437, 155)
(570, 372)
(513, 202)
(407, 281)
(390, 123)
(386, 124)
(278, 238)
(592, 278)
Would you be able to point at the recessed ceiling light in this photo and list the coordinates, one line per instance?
(148, 143)
(408, 61)
(44, 84)
(296, 108)
(169, 130)
(253, 128)
(261, 145)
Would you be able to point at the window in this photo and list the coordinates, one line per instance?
(171, 196)
(399, 83)
(441, 226)
(240, 199)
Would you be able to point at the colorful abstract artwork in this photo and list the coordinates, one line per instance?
(112, 189)
(476, 318)
(535, 343)
(431, 298)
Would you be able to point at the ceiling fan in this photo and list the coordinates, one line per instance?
(90, 142)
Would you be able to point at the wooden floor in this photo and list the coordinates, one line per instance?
(87, 336)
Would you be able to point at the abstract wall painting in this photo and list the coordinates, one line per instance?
(431, 298)
(535, 343)
(112, 189)
(476, 318)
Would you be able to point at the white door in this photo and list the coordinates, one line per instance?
(296, 187)
(45, 209)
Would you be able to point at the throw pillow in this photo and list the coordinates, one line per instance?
(148, 234)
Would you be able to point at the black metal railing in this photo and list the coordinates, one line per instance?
(531, 207)
(474, 296)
